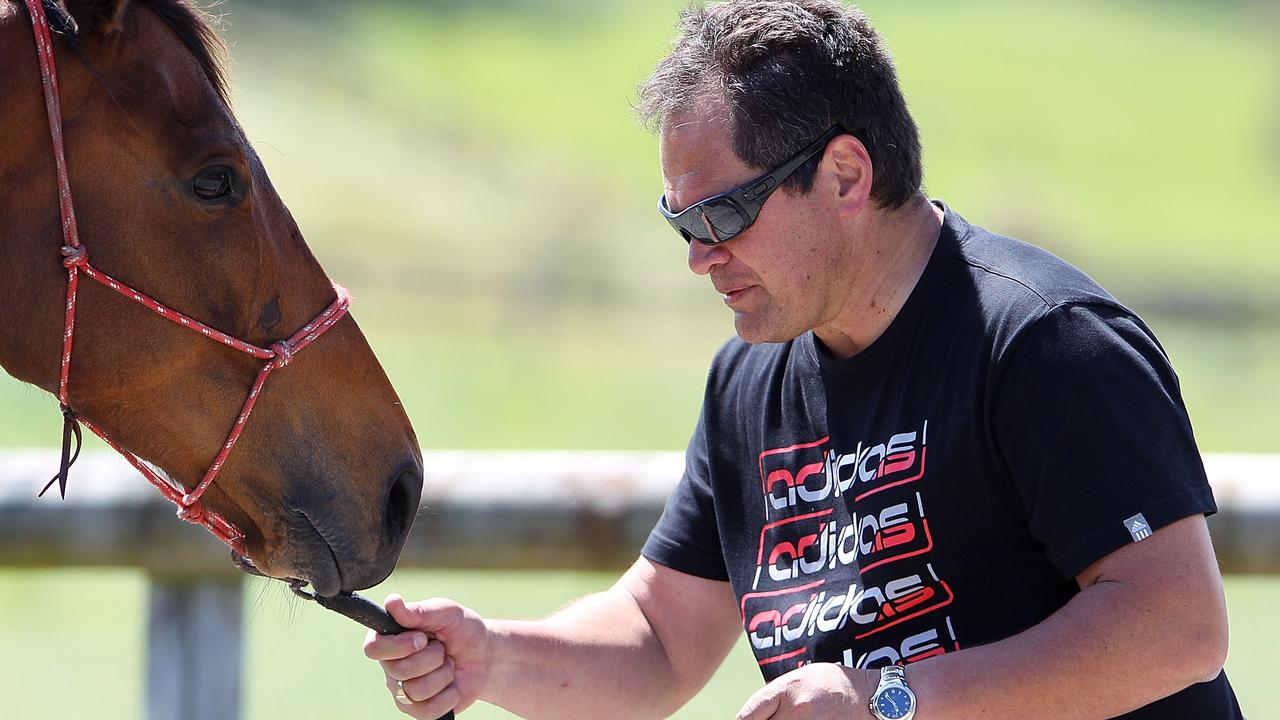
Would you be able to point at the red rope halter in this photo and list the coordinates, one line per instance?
(75, 258)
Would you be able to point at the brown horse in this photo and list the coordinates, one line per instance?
(172, 200)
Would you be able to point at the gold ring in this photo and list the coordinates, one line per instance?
(401, 696)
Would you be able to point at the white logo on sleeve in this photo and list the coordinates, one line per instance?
(1138, 527)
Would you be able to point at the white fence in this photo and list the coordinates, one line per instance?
(480, 510)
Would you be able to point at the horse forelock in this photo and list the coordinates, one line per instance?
(197, 30)
(61, 23)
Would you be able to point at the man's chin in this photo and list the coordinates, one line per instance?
(754, 330)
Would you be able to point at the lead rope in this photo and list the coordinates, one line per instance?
(70, 234)
(362, 610)
(76, 259)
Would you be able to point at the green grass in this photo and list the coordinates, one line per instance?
(72, 644)
(480, 162)
(1137, 139)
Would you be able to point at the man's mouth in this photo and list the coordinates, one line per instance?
(733, 295)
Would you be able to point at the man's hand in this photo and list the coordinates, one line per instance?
(431, 676)
(812, 692)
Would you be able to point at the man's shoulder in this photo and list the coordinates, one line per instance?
(1005, 271)
(1024, 296)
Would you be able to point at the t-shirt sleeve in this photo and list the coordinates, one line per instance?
(686, 537)
(1087, 414)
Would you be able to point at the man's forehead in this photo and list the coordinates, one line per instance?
(695, 146)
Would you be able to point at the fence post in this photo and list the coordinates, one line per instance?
(195, 644)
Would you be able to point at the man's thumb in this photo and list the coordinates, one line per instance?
(400, 611)
(427, 615)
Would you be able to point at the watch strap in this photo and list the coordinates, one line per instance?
(892, 674)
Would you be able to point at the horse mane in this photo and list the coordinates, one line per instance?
(192, 25)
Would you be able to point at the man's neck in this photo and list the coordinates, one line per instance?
(893, 250)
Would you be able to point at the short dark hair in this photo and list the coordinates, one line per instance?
(787, 70)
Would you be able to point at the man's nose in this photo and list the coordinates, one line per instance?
(703, 257)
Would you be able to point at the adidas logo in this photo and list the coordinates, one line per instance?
(1138, 527)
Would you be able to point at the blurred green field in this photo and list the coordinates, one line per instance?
(472, 171)
(72, 645)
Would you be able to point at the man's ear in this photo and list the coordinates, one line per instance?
(99, 17)
(853, 170)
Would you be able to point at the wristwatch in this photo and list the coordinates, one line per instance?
(893, 700)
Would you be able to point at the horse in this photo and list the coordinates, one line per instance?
(205, 286)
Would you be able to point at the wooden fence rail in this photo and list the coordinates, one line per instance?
(480, 510)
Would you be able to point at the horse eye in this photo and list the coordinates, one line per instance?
(213, 183)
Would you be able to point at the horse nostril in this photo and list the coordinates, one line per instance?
(402, 505)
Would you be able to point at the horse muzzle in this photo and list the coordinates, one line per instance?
(337, 542)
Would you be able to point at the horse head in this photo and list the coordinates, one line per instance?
(172, 200)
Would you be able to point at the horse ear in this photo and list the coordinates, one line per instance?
(101, 17)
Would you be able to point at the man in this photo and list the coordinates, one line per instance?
(942, 474)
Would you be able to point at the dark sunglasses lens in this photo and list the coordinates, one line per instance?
(725, 218)
(691, 227)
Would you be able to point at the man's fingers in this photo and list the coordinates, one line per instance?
(422, 689)
(761, 706)
(419, 673)
(393, 647)
(437, 706)
(416, 665)
(431, 708)
(397, 692)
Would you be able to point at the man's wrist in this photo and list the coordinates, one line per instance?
(893, 698)
(863, 683)
(501, 659)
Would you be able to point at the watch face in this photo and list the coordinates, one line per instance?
(894, 703)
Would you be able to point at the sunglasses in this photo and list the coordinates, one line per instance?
(719, 218)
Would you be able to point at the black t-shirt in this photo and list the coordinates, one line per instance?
(942, 488)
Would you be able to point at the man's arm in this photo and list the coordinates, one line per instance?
(1149, 621)
(638, 650)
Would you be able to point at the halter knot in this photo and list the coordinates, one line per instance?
(284, 353)
(192, 513)
(74, 256)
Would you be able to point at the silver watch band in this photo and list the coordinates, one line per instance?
(892, 674)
